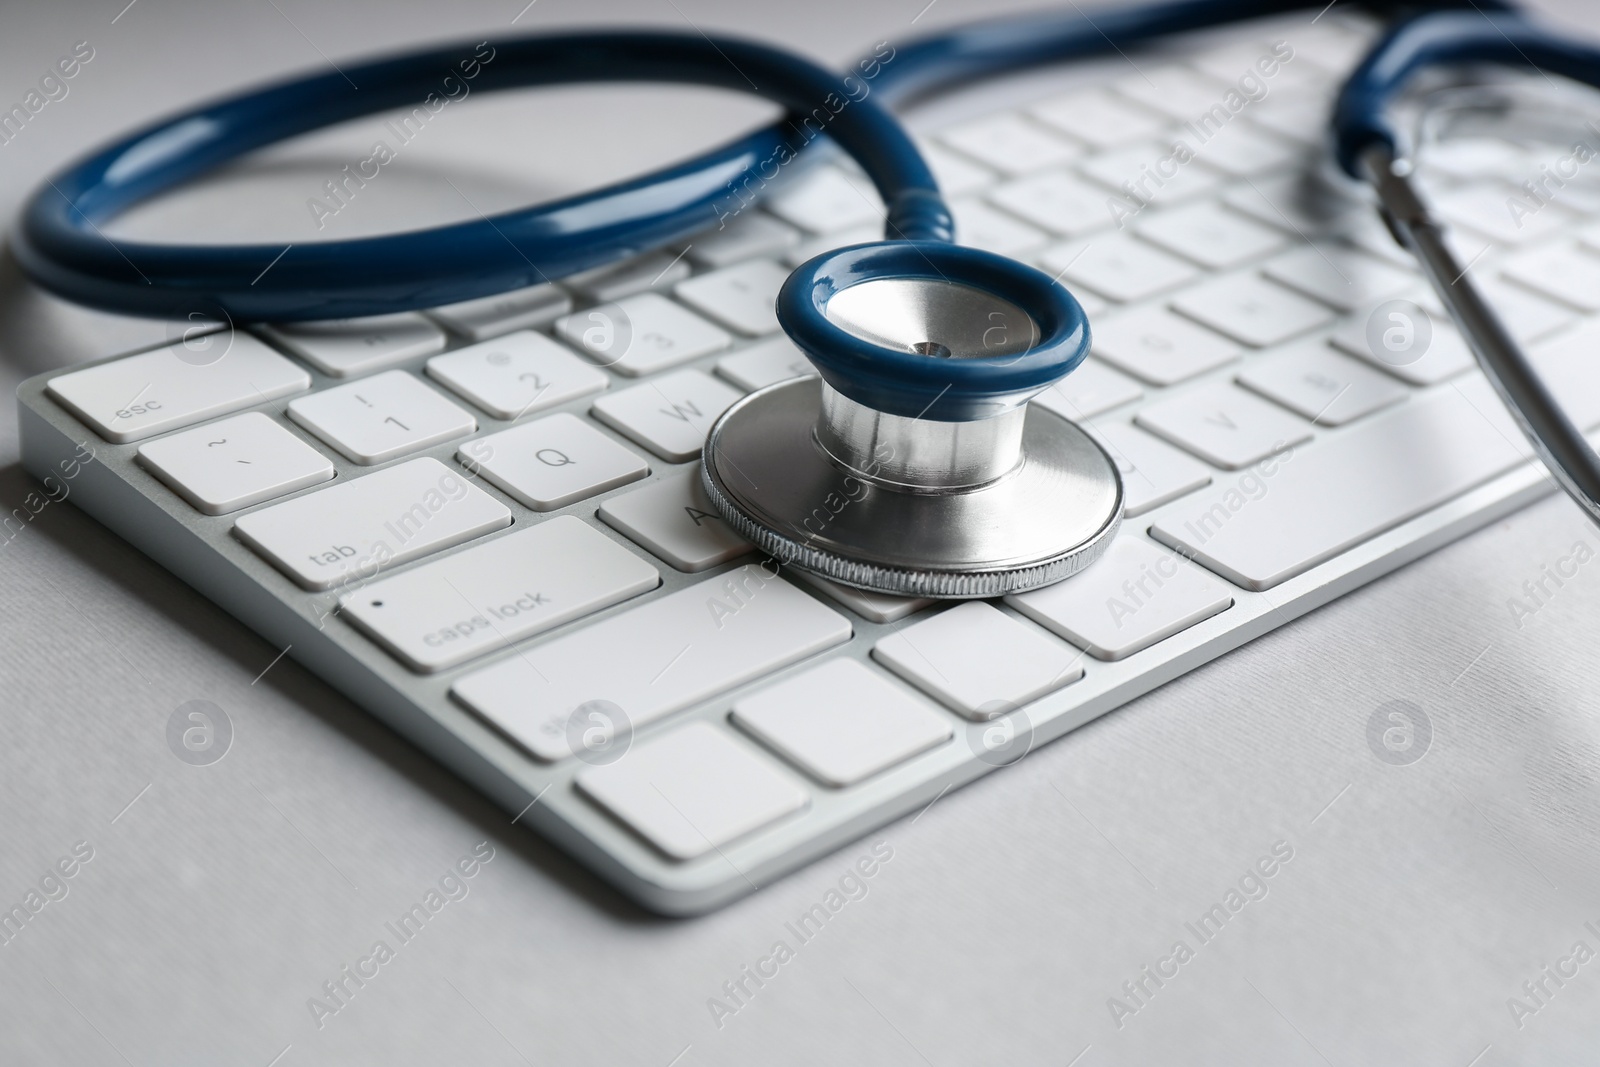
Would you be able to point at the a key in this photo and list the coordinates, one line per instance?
(740, 297)
(651, 660)
(1224, 425)
(828, 199)
(641, 334)
(693, 790)
(979, 661)
(345, 348)
(140, 396)
(232, 464)
(1240, 151)
(1117, 266)
(491, 316)
(1325, 387)
(1153, 472)
(1339, 276)
(875, 607)
(812, 247)
(762, 364)
(1091, 389)
(1210, 235)
(956, 174)
(381, 418)
(350, 531)
(552, 462)
(1529, 318)
(752, 234)
(1149, 174)
(981, 226)
(517, 374)
(612, 282)
(1399, 342)
(1099, 118)
(1160, 347)
(1251, 310)
(1302, 205)
(1057, 201)
(673, 519)
(1562, 273)
(1501, 212)
(1130, 598)
(488, 597)
(670, 415)
(1281, 520)
(1174, 90)
(841, 722)
(1471, 159)
(1010, 144)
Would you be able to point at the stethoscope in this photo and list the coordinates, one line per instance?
(912, 463)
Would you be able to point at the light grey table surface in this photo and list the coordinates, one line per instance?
(219, 899)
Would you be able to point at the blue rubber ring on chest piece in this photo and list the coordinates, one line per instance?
(918, 386)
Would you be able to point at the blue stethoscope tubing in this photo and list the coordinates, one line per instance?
(61, 244)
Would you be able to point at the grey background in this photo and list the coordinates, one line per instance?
(220, 898)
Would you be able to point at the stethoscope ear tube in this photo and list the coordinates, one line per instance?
(1360, 117)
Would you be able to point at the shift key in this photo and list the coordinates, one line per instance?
(488, 596)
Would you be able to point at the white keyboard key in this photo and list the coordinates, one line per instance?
(491, 316)
(1240, 151)
(487, 597)
(1299, 204)
(875, 607)
(693, 790)
(1130, 598)
(956, 174)
(1153, 472)
(980, 226)
(350, 531)
(1487, 208)
(1210, 235)
(1325, 387)
(380, 418)
(828, 199)
(673, 519)
(1528, 317)
(765, 363)
(1299, 118)
(748, 236)
(670, 416)
(1224, 425)
(1341, 277)
(1251, 310)
(1173, 90)
(651, 660)
(841, 722)
(344, 348)
(1099, 118)
(1563, 273)
(1150, 173)
(232, 464)
(516, 374)
(1160, 347)
(812, 247)
(612, 282)
(1117, 266)
(1088, 391)
(1271, 525)
(552, 462)
(1445, 356)
(1059, 202)
(140, 396)
(978, 660)
(641, 334)
(740, 297)
(1011, 144)
(1471, 159)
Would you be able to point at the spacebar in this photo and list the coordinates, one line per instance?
(1306, 507)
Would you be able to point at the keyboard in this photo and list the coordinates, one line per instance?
(483, 522)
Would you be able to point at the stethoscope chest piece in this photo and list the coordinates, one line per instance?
(914, 465)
